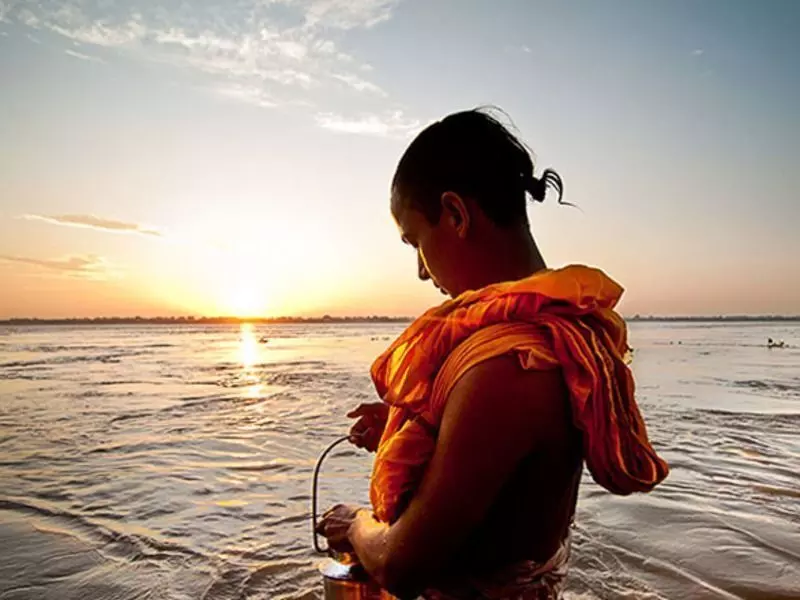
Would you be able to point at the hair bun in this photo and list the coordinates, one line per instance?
(537, 188)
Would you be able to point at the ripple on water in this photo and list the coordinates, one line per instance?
(156, 462)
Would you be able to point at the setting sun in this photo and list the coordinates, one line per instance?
(236, 274)
(245, 301)
(204, 289)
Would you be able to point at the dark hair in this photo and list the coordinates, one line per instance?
(472, 154)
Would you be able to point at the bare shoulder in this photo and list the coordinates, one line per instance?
(500, 395)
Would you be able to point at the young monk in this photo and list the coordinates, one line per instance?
(493, 400)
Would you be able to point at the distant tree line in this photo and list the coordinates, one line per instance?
(191, 320)
(726, 318)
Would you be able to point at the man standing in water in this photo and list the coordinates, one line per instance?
(493, 400)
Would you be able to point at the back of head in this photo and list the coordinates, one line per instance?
(474, 155)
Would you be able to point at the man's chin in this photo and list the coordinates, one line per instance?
(440, 288)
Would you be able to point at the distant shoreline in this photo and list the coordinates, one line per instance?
(326, 319)
(205, 320)
(720, 319)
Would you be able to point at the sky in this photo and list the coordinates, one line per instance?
(234, 157)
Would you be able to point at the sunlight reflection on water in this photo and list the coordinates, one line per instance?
(176, 461)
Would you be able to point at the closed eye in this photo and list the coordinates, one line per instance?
(408, 242)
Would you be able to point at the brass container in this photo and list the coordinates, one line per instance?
(343, 577)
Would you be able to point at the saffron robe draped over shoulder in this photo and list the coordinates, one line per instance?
(561, 318)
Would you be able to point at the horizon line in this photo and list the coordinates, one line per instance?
(288, 319)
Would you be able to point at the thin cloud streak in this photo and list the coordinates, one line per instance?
(93, 222)
(394, 124)
(349, 14)
(359, 84)
(248, 94)
(81, 56)
(89, 266)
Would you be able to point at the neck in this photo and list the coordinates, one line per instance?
(515, 256)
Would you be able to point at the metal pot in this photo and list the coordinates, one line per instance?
(344, 580)
(343, 577)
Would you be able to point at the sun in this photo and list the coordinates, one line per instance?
(241, 283)
(255, 273)
(246, 300)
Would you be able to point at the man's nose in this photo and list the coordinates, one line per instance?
(421, 270)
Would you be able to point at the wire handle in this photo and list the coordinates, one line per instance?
(322, 456)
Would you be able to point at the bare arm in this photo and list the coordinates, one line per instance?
(494, 417)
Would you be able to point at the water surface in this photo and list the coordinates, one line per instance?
(174, 462)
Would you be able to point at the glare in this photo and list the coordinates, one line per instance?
(249, 348)
(259, 269)
(239, 274)
(246, 301)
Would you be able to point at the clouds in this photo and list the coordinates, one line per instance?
(87, 266)
(264, 52)
(359, 84)
(391, 124)
(251, 94)
(93, 222)
(348, 14)
(81, 56)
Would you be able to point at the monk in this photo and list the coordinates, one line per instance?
(492, 401)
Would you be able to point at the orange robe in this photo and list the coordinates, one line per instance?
(560, 318)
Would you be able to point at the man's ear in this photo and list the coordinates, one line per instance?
(455, 211)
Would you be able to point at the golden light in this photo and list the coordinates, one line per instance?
(245, 300)
(250, 355)
(249, 348)
(260, 269)
(242, 283)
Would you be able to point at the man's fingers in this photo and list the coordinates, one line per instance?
(366, 409)
(331, 510)
(359, 439)
(357, 411)
(359, 428)
(368, 426)
(362, 410)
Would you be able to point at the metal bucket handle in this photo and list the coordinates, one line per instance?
(322, 456)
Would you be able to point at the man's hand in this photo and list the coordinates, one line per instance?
(367, 431)
(335, 526)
